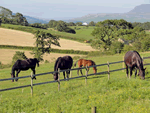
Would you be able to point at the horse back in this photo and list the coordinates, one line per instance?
(132, 58)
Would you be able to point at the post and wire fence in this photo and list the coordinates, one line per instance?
(59, 71)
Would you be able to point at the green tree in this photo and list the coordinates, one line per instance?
(109, 31)
(71, 24)
(79, 24)
(43, 43)
(92, 23)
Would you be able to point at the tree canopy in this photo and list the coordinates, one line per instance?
(43, 43)
(109, 31)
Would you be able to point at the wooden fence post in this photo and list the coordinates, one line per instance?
(58, 79)
(31, 84)
(108, 70)
(93, 110)
(71, 73)
(86, 75)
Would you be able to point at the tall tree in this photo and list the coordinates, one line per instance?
(43, 43)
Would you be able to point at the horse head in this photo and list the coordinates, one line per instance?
(12, 76)
(37, 61)
(142, 73)
(55, 75)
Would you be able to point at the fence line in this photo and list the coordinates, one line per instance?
(86, 75)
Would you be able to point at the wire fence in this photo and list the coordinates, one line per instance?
(84, 76)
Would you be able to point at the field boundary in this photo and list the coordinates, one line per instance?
(85, 76)
(52, 50)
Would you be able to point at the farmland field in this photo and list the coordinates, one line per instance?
(8, 54)
(119, 94)
(20, 38)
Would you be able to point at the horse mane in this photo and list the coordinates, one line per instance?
(56, 63)
(93, 63)
(140, 61)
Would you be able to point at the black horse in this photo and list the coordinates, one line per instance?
(133, 60)
(63, 63)
(23, 65)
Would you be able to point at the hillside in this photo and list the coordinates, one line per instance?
(140, 13)
(20, 38)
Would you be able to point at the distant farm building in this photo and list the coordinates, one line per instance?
(85, 24)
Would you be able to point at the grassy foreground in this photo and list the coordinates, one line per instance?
(119, 94)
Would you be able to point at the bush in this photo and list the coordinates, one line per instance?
(127, 48)
(116, 47)
(18, 55)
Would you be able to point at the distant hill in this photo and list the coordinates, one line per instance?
(140, 13)
(36, 20)
(8, 13)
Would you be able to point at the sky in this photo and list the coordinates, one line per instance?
(68, 9)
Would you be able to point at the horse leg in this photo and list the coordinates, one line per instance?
(17, 75)
(68, 73)
(127, 71)
(64, 75)
(33, 74)
(81, 72)
(135, 72)
(130, 72)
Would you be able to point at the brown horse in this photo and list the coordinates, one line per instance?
(83, 62)
(132, 59)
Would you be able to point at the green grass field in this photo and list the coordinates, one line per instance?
(119, 94)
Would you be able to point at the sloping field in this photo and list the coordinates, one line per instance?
(20, 38)
(8, 54)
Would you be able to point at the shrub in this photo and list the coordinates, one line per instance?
(18, 55)
(116, 47)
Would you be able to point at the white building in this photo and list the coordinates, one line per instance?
(84, 23)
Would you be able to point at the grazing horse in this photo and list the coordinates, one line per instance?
(83, 62)
(23, 65)
(132, 60)
(63, 63)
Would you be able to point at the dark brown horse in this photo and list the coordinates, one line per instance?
(63, 63)
(83, 62)
(23, 65)
(133, 60)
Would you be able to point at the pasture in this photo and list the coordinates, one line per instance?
(119, 94)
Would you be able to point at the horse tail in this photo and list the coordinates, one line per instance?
(75, 63)
(94, 68)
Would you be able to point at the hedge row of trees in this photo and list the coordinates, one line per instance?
(60, 26)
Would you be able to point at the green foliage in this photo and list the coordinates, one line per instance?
(110, 31)
(92, 23)
(43, 43)
(18, 55)
(79, 24)
(145, 25)
(52, 50)
(116, 47)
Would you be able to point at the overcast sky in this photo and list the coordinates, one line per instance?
(67, 9)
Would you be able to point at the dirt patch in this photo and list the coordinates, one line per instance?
(7, 55)
(20, 38)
